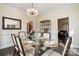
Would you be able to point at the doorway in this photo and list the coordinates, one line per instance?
(63, 30)
(29, 26)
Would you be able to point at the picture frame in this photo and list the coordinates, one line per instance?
(11, 23)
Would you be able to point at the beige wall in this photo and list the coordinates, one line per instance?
(7, 11)
(5, 38)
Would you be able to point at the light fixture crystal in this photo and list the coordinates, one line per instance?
(32, 11)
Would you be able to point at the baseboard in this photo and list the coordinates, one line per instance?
(74, 46)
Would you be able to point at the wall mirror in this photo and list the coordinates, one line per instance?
(11, 23)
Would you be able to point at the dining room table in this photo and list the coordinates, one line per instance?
(31, 45)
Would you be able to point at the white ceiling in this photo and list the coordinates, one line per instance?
(42, 7)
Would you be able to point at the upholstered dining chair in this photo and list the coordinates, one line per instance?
(22, 53)
(16, 51)
(28, 51)
(22, 34)
(13, 38)
(38, 35)
(67, 46)
(51, 52)
(46, 35)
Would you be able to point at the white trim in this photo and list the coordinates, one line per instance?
(74, 46)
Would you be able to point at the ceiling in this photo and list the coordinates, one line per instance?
(42, 7)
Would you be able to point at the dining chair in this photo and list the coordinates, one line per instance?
(16, 51)
(22, 34)
(19, 43)
(46, 35)
(50, 52)
(13, 38)
(38, 35)
(28, 51)
(67, 46)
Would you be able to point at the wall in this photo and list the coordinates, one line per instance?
(73, 13)
(7, 11)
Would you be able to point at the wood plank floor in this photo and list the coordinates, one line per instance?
(9, 51)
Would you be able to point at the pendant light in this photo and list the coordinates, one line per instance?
(32, 11)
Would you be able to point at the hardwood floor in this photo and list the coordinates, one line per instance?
(9, 51)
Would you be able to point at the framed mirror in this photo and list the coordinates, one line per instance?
(11, 23)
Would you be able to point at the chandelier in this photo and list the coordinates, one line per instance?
(32, 11)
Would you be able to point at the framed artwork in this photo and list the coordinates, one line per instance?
(11, 23)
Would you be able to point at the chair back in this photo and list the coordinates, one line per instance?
(67, 46)
(13, 39)
(16, 48)
(19, 43)
(46, 35)
(22, 34)
(38, 35)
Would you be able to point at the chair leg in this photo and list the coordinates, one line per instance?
(18, 53)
